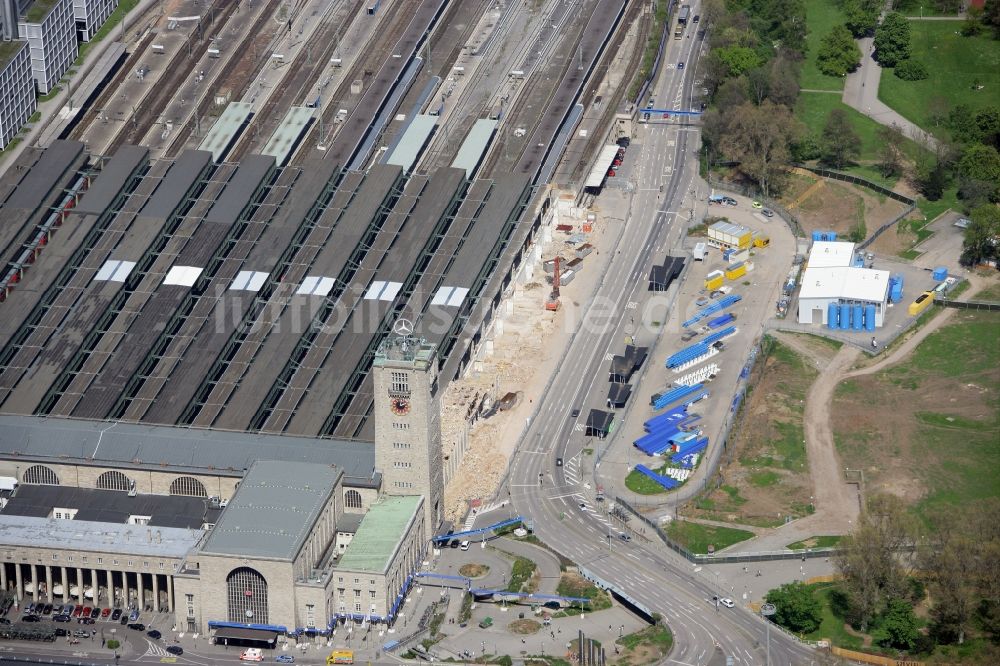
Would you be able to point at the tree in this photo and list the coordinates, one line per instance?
(796, 608)
(872, 559)
(758, 137)
(738, 59)
(948, 6)
(758, 82)
(981, 163)
(988, 123)
(991, 15)
(899, 626)
(963, 126)
(932, 179)
(982, 237)
(890, 157)
(892, 40)
(112, 644)
(783, 87)
(838, 52)
(861, 15)
(911, 70)
(840, 142)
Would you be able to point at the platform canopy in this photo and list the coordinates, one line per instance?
(601, 166)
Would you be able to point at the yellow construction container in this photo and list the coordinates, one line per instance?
(737, 271)
(761, 241)
(714, 280)
(919, 305)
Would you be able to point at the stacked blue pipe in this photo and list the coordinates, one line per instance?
(687, 354)
(674, 395)
(722, 321)
(697, 446)
(718, 335)
(664, 481)
(718, 306)
(674, 416)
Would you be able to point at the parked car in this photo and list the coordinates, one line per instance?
(59, 631)
(175, 649)
(116, 613)
(756, 204)
(124, 619)
(4, 620)
(47, 609)
(31, 618)
(154, 634)
(611, 173)
(285, 659)
(465, 545)
(697, 17)
(87, 620)
(767, 212)
(729, 201)
(80, 633)
(85, 612)
(61, 618)
(137, 626)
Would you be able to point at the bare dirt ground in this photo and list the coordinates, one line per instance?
(828, 205)
(529, 343)
(768, 478)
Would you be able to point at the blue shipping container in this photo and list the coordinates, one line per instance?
(832, 315)
(940, 273)
(870, 317)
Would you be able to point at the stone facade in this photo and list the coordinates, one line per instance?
(408, 425)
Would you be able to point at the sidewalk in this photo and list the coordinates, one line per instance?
(861, 93)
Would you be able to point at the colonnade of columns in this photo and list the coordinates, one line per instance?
(141, 589)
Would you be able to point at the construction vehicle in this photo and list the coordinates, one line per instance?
(552, 304)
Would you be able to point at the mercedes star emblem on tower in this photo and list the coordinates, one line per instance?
(403, 327)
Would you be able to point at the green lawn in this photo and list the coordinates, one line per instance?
(832, 627)
(815, 542)
(521, 573)
(658, 635)
(813, 108)
(639, 483)
(954, 62)
(821, 17)
(918, 8)
(697, 538)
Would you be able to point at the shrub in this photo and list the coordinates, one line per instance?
(911, 70)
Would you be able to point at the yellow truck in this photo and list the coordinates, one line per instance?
(340, 657)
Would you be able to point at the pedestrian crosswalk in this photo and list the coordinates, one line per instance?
(572, 470)
(154, 650)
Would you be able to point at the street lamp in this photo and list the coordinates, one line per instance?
(766, 611)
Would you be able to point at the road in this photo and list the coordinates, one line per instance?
(562, 515)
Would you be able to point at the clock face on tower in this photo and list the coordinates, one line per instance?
(399, 406)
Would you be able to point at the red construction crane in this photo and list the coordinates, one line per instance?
(553, 302)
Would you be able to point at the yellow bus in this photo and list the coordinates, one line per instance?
(340, 657)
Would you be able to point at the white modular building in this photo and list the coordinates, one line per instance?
(831, 284)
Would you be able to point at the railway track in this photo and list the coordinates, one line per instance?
(153, 104)
(305, 70)
(376, 51)
(236, 75)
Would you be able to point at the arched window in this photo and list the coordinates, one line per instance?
(114, 481)
(40, 475)
(246, 591)
(189, 486)
(352, 499)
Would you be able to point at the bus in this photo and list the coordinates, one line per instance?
(340, 657)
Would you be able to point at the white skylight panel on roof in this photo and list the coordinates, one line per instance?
(184, 276)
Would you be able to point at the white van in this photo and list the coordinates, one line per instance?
(465, 544)
(700, 249)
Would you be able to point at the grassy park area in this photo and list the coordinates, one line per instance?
(957, 66)
(697, 538)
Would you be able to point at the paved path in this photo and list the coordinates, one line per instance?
(861, 93)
